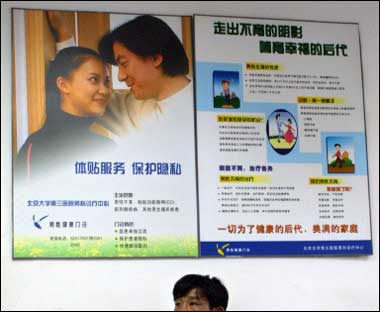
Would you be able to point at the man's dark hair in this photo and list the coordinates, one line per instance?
(211, 288)
(225, 81)
(146, 36)
(337, 144)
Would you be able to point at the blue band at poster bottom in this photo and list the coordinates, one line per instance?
(283, 248)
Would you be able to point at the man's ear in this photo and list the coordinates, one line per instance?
(62, 84)
(157, 60)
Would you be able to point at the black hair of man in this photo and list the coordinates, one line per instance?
(211, 288)
(148, 36)
(337, 145)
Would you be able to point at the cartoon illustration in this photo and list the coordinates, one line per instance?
(226, 85)
(340, 150)
(289, 136)
(282, 131)
(279, 125)
(339, 156)
(226, 91)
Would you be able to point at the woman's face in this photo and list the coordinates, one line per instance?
(87, 90)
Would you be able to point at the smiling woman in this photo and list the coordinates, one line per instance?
(77, 89)
(86, 91)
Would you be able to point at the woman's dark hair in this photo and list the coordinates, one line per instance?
(146, 36)
(65, 62)
(211, 288)
(289, 120)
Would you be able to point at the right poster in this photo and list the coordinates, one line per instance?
(281, 138)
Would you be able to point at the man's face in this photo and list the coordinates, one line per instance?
(226, 86)
(194, 301)
(142, 75)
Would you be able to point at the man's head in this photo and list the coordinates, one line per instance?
(200, 293)
(337, 146)
(145, 49)
(226, 85)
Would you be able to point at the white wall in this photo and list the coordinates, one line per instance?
(286, 283)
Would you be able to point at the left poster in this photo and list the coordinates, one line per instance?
(103, 136)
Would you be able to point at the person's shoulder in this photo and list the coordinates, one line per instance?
(119, 97)
(120, 93)
(31, 143)
(103, 132)
(34, 138)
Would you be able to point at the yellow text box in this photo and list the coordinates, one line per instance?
(325, 181)
(319, 100)
(244, 179)
(263, 66)
(239, 118)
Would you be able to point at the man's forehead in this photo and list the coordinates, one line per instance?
(119, 58)
(120, 50)
(195, 293)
